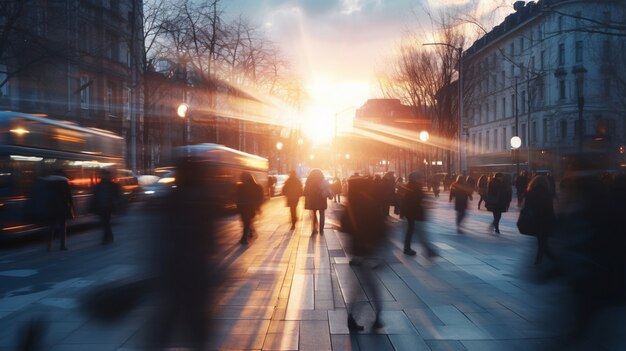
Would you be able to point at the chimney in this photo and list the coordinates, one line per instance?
(518, 5)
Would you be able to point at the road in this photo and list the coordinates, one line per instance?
(287, 290)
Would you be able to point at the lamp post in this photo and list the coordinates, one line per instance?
(581, 104)
(279, 147)
(181, 111)
(460, 159)
(516, 142)
(424, 136)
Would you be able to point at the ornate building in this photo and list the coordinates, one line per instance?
(76, 60)
(553, 73)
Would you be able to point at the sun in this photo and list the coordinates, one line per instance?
(319, 124)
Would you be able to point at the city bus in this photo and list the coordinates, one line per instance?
(223, 167)
(34, 145)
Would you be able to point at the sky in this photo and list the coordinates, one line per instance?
(338, 46)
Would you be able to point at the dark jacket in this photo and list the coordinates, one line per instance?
(51, 200)
(249, 198)
(461, 193)
(539, 202)
(413, 201)
(316, 191)
(362, 216)
(496, 195)
(107, 197)
(292, 189)
(482, 185)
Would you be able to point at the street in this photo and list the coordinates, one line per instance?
(286, 290)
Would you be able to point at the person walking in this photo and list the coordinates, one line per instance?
(249, 200)
(362, 220)
(496, 200)
(292, 190)
(461, 192)
(521, 183)
(413, 209)
(316, 191)
(538, 201)
(107, 196)
(336, 187)
(482, 189)
(54, 205)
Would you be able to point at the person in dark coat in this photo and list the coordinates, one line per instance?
(55, 196)
(316, 192)
(496, 199)
(538, 200)
(521, 183)
(107, 196)
(249, 200)
(482, 189)
(461, 192)
(292, 190)
(366, 227)
(413, 209)
(336, 187)
(388, 189)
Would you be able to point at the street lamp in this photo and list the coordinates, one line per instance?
(461, 159)
(279, 146)
(516, 142)
(181, 111)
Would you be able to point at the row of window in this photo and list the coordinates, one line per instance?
(116, 99)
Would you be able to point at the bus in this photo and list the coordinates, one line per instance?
(34, 145)
(223, 167)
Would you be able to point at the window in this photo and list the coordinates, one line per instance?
(512, 104)
(561, 89)
(109, 99)
(544, 131)
(487, 141)
(495, 139)
(503, 77)
(480, 142)
(561, 56)
(487, 112)
(606, 87)
(523, 101)
(4, 89)
(563, 129)
(533, 132)
(85, 86)
(579, 51)
(521, 44)
(504, 107)
(127, 98)
(523, 136)
(504, 139)
(473, 146)
(512, 50)
(532, 63)
(578, 15)
(480, 113)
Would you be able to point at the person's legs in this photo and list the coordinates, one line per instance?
(421, 237)
(408, 236)
(107, 236)
(496, 220)
(62, 232)
(294, 217)
(480, 201)
(322, 220)
(313, 221)
(246, 221)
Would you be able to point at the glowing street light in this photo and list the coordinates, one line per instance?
(182, 109)
(279, 145)
(424, 136)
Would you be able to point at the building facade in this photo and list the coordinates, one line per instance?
(553, 73)
(76, 60)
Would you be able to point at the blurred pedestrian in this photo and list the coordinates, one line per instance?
(336, 188)
(188, 271)
(496, 200)
(52, 205)
(366, 227)
(388, 189)
(271, 185)
(106, 201)
(435, 184)
(249, 201)
(316, 192)
(292, 190)
(521, 183)
(461, 192)
(538, 201)
(398, 198)
(482, 188)
(413, 209)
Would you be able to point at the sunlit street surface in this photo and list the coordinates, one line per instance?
(286, 290)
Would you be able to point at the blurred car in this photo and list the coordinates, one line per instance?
(154, 187)
(129, 185)
(280, 182)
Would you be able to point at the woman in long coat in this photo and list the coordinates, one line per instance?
(249, 200)
(482, 189)
(496, 199)
(316, 191)
(538, 200)
(292, 189)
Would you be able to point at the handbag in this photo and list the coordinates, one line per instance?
(526, 223)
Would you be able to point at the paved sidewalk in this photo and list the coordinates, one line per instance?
(286, 291)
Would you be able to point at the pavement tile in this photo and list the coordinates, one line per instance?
(450, 315)
(344, 343)
(314, 335)
(281, 341)
(408, 342)
(371, 342)
(445, 345)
